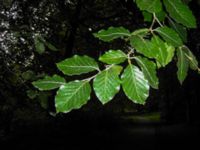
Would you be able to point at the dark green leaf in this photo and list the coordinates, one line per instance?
(49, 83)
(39, 45)
(180, 12)
(147, 16)
(191, 58)
(182, 64)
(181, 30)
(170, 36)
(149, 5)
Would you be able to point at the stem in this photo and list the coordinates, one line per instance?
(154, 16)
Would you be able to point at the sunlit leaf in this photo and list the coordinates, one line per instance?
(106, 85)
(113, 57)
(72, 95)
(135, 85)
(77, 65)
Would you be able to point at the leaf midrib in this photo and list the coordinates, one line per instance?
(134, 81)
(178, 12)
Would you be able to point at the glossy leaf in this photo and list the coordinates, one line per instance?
(180, 12)
(113, 57)
(106, 85)
(170, 36)
(182, 64)
(142, 46)
(77, 65)
(112, 33)
(49, 83)
(135, 85)
(163, 52)
(72, 95)
(149, 70)
(149, 5)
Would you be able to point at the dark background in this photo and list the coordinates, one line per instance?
(30, 123)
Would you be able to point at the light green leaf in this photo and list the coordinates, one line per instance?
(149, 70)
(72, 95)
(142, 46)
(191, 58)
(182, 64)
(181, 30)
(113, 57)
(39, 45)
(112, 33)
(106, 85)
(117, 69)
(77, 65)
(180, 12)
(162, 51)
(141, 32)
(149, 5)
(49, 83)
(170, 36)
(135, 85)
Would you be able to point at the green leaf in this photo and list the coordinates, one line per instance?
(161, 15)
(135, 85)
(72, 95)
(181, 30)
(113, 57)
(163, 52)
(112, 33)
(147, 16)
(39, 45)
(141, 32)
(32, 94)
(77, 65)
(50, 46)
(182, 64)
(106, 85)
(180, 12)
(170, 36)
(149, 70)
(49, 83)
(191, 58)
(142, 46)
(149, 5)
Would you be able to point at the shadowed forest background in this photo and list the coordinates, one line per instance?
(27, 116)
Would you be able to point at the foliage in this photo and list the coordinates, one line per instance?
(150, 49)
